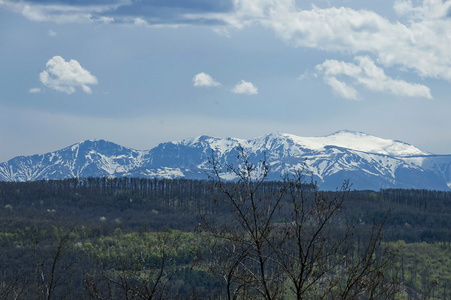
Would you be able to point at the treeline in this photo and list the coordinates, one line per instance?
(415, 215)
(121, 238)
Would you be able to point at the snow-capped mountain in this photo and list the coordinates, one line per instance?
(369, 162)
(88, 158)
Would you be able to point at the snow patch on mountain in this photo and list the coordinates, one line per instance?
(166, 173)
(367, 161)
(357, 141)
(219, 145)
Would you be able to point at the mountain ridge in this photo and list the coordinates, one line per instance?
(369, 162)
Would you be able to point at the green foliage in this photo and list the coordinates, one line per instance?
(148, 222)
(425, 269)
(120, 248)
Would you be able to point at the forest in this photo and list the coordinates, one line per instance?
(134, 238)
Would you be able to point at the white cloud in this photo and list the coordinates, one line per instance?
(203, 79)
(245, 87)
(140, 22)
(52, 33)
(34, 90)
(429, 9)
(66, 76)
(341, 88)
(106, 20)
(368, 75)
(62, 13)
(421, 43)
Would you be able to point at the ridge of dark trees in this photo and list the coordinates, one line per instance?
(135, 199)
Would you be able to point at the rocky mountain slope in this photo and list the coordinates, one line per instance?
(369, 162)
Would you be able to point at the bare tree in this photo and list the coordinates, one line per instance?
(289, 240)
(55, 269)
(14, 288)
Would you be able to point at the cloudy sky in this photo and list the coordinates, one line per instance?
(139, 73)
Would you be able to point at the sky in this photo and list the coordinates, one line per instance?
(139, 73)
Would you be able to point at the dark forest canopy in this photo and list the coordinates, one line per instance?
(101, 228)
(137, 199)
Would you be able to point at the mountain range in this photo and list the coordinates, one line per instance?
(368, 162)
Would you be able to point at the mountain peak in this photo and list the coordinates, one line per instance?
(220, 145)
(93, 143)
(368, 161)
(349, 133)
(368, 143)
(356, 140)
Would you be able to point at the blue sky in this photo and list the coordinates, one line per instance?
(139, 73)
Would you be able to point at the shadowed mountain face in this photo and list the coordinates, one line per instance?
(367, 161)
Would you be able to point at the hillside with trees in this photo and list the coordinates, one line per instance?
(132, 238)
